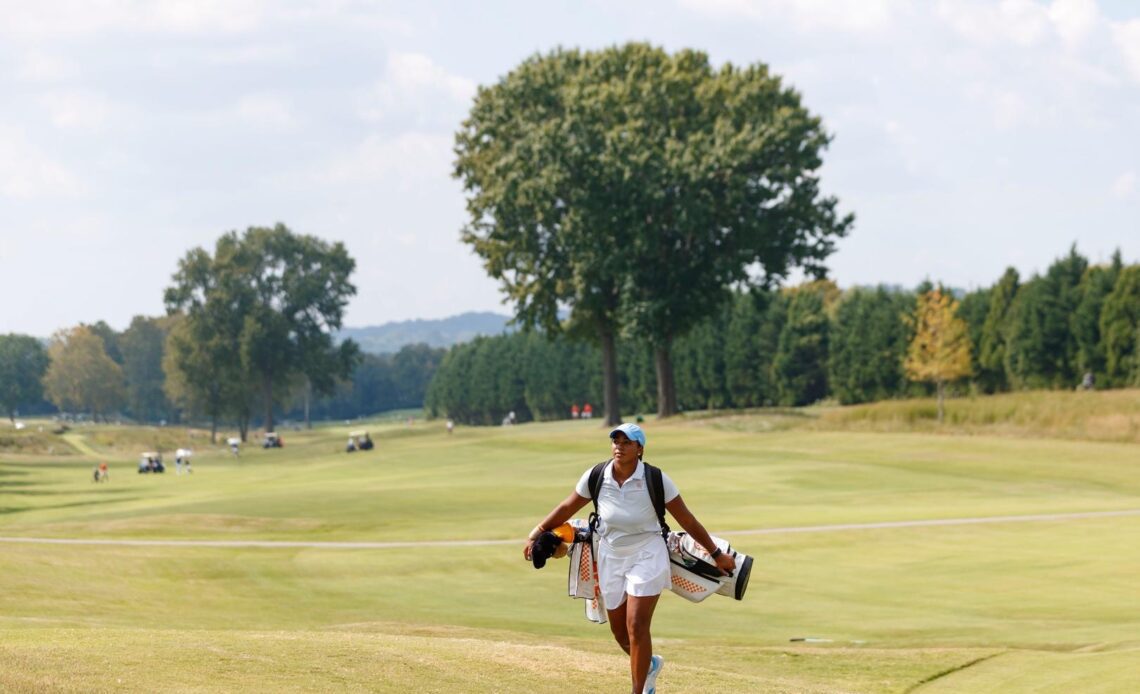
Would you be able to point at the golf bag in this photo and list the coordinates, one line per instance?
(694, 574)
(582, 581)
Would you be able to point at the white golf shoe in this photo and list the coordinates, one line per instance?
(655, 664)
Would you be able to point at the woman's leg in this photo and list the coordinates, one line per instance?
(638, 617)
(617, 619)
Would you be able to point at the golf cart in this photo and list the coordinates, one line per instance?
(150, 461)
(272, 440)
(359, 440)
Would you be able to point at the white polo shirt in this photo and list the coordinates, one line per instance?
(626, 512)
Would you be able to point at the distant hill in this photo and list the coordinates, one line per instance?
(390, 337)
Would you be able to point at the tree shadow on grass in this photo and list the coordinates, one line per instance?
(5, 510)
(53, 492)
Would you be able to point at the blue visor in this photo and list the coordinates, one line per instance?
(632, 432)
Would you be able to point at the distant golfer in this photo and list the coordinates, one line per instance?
(633, 562)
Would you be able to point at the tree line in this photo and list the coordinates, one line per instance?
(247, 335)
(799, 345)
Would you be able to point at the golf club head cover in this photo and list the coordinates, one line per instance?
(544, 548)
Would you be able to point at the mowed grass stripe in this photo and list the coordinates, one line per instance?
(489, 543)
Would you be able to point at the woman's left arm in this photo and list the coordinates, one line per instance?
(689, 522)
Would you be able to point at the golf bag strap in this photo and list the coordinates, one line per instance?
(653, 483)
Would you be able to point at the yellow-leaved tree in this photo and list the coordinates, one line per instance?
(940, 350)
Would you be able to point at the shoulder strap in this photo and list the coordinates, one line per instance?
(656, 488)
(597, 474)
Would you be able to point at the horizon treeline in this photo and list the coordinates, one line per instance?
(787, 347)
(135, 386)
(799, 345)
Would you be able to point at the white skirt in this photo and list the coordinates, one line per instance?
(641, 570)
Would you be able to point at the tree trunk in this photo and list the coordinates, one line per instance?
(243, 427)
(610, 378)
(941, 397)
(267, 390)
(213, 429)
(308, 396)
(666, 385)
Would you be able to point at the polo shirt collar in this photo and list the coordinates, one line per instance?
(638, 474)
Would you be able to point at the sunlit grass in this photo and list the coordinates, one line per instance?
(1032, 604)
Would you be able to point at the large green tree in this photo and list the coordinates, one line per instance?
(23, 362)
(636, 187)
(273, 298)
(81, 376)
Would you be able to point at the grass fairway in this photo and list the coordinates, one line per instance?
(1002, 607)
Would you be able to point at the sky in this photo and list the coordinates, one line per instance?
(969, 135)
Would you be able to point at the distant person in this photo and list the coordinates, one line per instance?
(511, 416)
(574, 411)
(104, 473)
(450, 426)
(1087, 381)
(633, 561)
(587, 411)
(234, 443)
(366, 443)
(95, 477)
(177, 464)
(350, 447)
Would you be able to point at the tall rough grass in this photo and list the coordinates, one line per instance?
(1112, 415)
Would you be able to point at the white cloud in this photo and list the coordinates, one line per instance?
(407, 159)
(414, 86)
(1022, 22)
(1125, 185)
(266, 111)
(1010, 110)
(1126, 36)
(26, 172)
(62, 18)
(1074, 20)
(76, 109)
(416, 71)
(846, 16)
(37, 66)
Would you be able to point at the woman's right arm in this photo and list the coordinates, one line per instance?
(559, 515)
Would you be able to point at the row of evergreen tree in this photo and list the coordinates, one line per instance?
(799, 345)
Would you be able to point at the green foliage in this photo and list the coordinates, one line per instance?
(142, 346)
(1095, 287)
(991, 359)
(800, 365)
(1120, 326)
(23, 363)
(81, 377)
(747, 359)
(974, 308)
(636, 187)
(1041, 348)
(868, 344)
(265, 304)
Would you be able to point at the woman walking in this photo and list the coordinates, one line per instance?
(633, 561)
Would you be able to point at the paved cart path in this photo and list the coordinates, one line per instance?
(275, 544)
